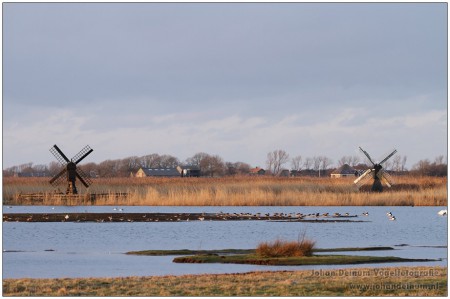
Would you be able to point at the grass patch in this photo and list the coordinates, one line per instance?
(293, 260)
(279, 283)
(242, 251)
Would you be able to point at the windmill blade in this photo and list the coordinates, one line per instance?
(83, 178)
(367, 155)
(385, 177)
(363, 178)
(59, 155)
(82, 154)
(58, 179)
(388, 156)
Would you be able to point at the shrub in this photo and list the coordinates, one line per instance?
(282, 248)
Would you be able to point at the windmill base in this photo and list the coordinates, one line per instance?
(377, 186)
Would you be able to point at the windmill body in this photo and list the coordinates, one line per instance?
(70, 172)
(375, 172)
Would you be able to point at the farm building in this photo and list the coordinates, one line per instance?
(188, 171)
(257, 171)
(344, 171)
(157, 172)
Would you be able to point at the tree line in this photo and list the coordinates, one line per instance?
(215, 166)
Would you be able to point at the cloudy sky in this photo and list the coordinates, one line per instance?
(236, 80)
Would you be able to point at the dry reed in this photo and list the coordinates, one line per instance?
(282, 248)
(240, 191)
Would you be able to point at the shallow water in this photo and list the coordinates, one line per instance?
(96, 249)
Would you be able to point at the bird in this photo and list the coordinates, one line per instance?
(389, 214)
(201, 218)
(442, 212)
(392, 218)
(366, 213)
(66, 217)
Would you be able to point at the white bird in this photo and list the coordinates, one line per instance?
(442, 212)
(392, 218)
(389, 214)
(201, 218)
(66, 217)
(366, 213)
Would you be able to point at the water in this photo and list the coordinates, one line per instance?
(66, 249)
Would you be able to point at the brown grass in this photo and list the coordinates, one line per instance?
(242, 191)
(282, 248)
(430, 281)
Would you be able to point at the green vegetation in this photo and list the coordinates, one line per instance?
(292, 260)
(399, 281)
(243, 251)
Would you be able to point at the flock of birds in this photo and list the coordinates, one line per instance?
(226, 216)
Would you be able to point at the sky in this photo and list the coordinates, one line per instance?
(237, 80)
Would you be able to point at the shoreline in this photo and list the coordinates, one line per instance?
(380, 281)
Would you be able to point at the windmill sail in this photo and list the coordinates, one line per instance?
(59, 155)
(82, 154)
(362, 179)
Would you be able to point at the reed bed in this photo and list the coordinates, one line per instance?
(241, 191)
(283, 248)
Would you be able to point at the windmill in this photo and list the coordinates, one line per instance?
(376, 172)
(70, 172)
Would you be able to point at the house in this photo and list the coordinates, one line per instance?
(344, 171)
(257, 171)
(188, 171)
(157, 172)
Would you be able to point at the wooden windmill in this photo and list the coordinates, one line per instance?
(70, 172)
(375, 172)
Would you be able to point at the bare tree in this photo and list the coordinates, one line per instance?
(209, 165)
(196, 159)
(150, 161)
(168, 161)
(404, 163)
(296, 163)
(439, 160)
(212, 166)
(308, 163)
(350, 160)
(396, 163)
(237, 168)
(325, 162)
(316, 163)
(275, 161)
(354, 160)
